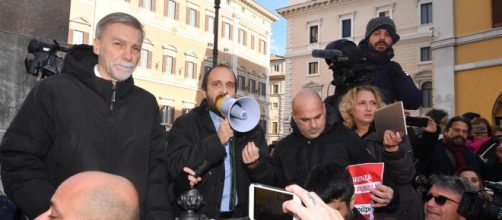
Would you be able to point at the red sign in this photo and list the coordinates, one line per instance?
(365, 176)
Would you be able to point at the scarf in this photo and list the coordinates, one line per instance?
(458, 153)
(474, 145)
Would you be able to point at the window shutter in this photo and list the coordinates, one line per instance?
(197, 18)
(166, 4)
(188, 16)
(252, 41)
(177, 11)
(173, 68)
(231, 32)
(86, 38)
(222, 29)
(245, 38)
(70, 36)
(149, 60)
(194, 75)
(164, 63)
(206, 24)
(186, 69)
(153, 5)
(141, 3)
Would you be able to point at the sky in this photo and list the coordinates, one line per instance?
(278, 41)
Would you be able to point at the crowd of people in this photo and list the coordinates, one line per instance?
(88, 144)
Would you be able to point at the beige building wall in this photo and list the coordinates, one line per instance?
(179, 38)
(277, 99)
(328, 16)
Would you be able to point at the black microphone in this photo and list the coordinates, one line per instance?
(326, 53)
(354, 53)
(493, 186)
(212, 158)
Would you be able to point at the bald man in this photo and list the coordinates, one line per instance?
(317, 138)
(94, 195)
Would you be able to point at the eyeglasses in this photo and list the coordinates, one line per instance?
(440, 200)
(459, 131)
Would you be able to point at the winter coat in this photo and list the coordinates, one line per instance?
(389, 77)
(74, 122)
(295, 155)
(399, 170)
(442, 161)
(193, 139)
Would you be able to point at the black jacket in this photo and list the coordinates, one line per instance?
(399, 173)
(295, 155)
(389, 77)
(442, 161)
(69, 124)
(193, 139)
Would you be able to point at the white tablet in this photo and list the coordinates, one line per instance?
(265, 202)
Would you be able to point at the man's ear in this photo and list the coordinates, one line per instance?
(96, 46)
(204, 94)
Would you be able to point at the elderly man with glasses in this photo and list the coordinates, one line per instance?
(451, 152)
(443, 198)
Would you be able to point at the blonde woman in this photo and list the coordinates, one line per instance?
(357, 108)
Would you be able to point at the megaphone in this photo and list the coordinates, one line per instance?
(243, 113)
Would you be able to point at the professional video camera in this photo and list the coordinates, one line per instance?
(473, 206)
(45, 61)
(347, 62)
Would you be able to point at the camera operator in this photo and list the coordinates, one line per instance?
(443, 198)
(389, 77)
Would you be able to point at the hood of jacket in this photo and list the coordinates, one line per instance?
(79, 63)
(332, 117)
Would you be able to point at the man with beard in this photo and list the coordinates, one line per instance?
(89, 117)
(451, 153)
(235, 159)
(389, 77)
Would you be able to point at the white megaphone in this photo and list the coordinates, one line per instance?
(242, 113)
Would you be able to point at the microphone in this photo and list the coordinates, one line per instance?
(326, 53)
(493, 186)
(208, 162)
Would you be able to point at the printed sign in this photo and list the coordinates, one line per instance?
(365, 176)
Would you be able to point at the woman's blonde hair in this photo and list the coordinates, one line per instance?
(348, 103)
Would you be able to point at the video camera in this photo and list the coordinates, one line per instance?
(347, 62)
(473, 206)
(45, 61)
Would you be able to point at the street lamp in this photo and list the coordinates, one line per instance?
(215, 40)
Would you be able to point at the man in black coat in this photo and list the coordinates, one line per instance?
(318, 138)
(389, 77)
(235, 159)
(89, 117)
(451, 153)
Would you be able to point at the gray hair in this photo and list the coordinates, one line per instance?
(453, 183)
(119, 17)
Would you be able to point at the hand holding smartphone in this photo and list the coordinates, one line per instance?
(265, 202)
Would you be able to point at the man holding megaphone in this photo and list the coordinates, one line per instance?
(218, 147)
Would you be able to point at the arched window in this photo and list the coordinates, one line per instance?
(427, 94)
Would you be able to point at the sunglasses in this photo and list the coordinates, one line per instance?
(440, 200)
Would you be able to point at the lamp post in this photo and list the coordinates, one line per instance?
(215, 40)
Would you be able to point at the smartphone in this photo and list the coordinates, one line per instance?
(265, 202)
(417, 121)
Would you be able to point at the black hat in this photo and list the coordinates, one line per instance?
(382, 22)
